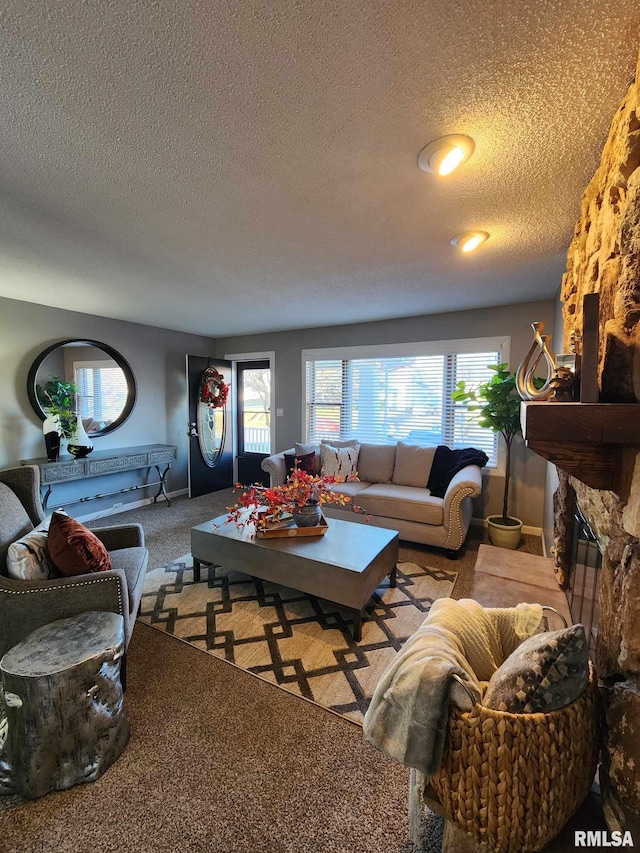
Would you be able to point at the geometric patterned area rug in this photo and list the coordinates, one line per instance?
(301, 643)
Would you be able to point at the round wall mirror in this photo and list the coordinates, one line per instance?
(87, 378)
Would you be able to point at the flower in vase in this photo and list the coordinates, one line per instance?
(262, 505)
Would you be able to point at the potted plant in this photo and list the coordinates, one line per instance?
(57, 398)
(497, 405)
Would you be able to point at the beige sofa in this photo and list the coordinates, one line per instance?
(392, 491)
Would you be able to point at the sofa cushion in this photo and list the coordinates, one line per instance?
(351, 489)
(73, 549)
(304, 449)
(404, 502)
(413, 464)
(375, 462)
(133, 562)
(339, 462)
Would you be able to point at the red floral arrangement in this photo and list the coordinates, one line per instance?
(268, 505)
(213, 389)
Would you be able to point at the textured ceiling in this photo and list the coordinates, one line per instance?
(225, 167)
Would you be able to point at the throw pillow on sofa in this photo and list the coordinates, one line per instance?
(28, 558)
(546, 672)
(348, 442)
(75, 550)
(413, 465)
(303, 461)
(339, 462)
(376, 462)
(304, 449)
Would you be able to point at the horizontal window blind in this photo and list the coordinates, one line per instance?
(102, 392)
(397, 398)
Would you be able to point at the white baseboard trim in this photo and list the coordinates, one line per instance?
(127, 507)
(526, 528)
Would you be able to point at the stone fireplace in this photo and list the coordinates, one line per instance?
(604, 258)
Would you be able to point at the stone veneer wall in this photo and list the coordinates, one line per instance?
(604, 257)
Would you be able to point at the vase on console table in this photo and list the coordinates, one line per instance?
(52, 430)
(79, 444)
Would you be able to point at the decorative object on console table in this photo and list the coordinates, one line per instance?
(51, 429)
(80, 444)
(57, 399)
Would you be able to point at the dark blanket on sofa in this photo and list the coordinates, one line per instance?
(447, 463)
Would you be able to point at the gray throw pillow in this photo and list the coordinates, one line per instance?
(413, 465)
(545, 673)
(375, 462)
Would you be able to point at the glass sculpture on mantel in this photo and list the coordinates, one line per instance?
(558, 386)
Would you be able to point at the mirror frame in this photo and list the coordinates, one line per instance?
(123, 364)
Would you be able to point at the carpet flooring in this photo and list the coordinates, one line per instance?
(302, 643)
(221, 761)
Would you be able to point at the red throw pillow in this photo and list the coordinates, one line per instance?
(73, 549)
(303, 461)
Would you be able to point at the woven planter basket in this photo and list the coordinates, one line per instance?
(512, 781)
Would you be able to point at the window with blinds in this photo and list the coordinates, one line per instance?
(102, 391)
(403, 397)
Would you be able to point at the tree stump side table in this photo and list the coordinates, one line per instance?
(64, 720)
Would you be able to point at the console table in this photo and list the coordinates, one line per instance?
(100, 463)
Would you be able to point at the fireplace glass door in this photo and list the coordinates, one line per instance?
(586, 565)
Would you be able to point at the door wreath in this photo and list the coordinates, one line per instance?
(213, 389)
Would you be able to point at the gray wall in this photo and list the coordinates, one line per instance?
(514, 320)
(157, 358)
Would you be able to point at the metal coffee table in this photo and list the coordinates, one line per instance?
(344, 566)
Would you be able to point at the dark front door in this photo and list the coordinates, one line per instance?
(210, 425)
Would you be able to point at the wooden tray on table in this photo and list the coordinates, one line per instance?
(293, 530)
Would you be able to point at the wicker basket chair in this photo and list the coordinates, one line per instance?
(512, 781)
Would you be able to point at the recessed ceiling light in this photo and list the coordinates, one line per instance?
(469, 240)
(444, 155)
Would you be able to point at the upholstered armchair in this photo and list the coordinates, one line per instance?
(28, 604)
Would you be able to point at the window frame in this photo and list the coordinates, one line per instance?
(96, 365)
(500, 344)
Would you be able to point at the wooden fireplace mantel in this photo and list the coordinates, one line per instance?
(594, 442)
